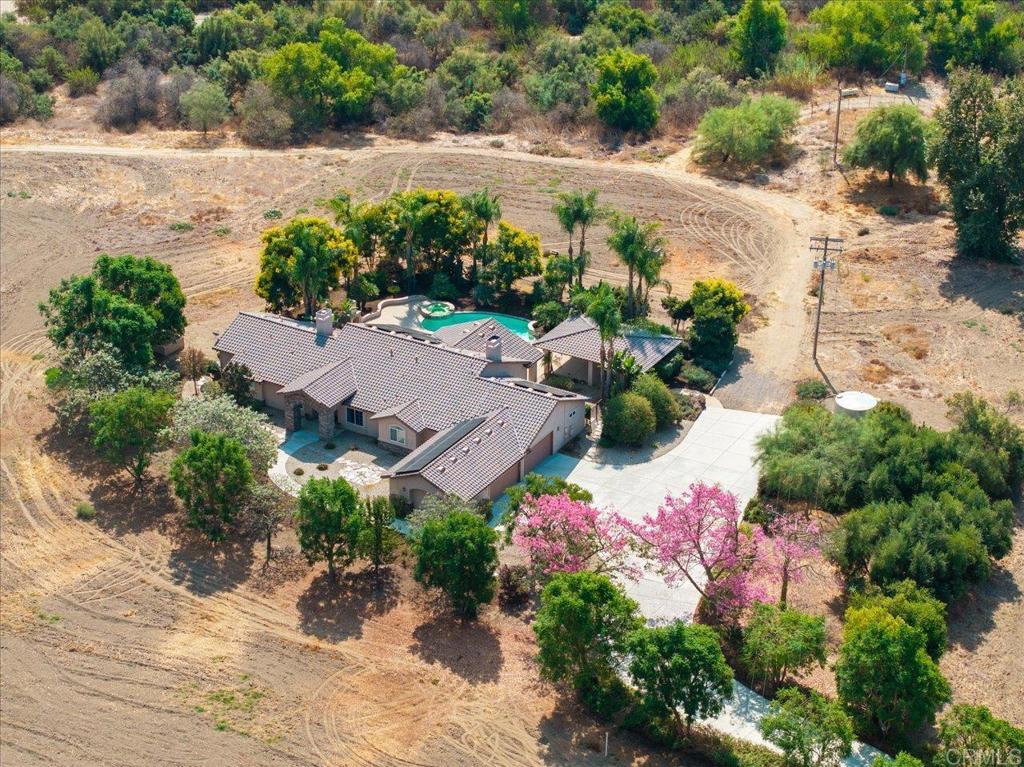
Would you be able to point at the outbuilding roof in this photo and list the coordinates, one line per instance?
(579, 337)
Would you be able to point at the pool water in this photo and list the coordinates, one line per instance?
(518, 325)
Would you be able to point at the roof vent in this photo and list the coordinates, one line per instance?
(465, 449)
(454, 459)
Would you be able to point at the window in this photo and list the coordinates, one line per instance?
(354, 417)
(397, 434)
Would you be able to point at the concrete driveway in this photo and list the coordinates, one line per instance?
(718, 449)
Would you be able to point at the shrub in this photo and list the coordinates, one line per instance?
(970, 735)
(549, 314)
(513, 585)
(205, 105)
(812, 388)
(132, 98)
(914, 605)
(40, 80)
(778, 642)
(401, 505)
(667, 410)
(272, 214)
(750, 133)
(263, 122)
(321, 467)
(695, 377)
(795, 76)
(700, 90)
(299, 471)
(628, 420)
(560, 382)
(442, 289)
(85, 511)
(623, 94)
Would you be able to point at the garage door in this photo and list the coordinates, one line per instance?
(539, 452)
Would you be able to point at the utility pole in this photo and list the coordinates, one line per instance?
(825, 246)
(839, 108)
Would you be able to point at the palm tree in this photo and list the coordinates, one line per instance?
(627, 240)
(410, 212)
(587, 214)
(648, 270)
(566, 210)
(604, 311)
(486, 209)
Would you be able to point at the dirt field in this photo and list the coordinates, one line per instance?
(126, 640)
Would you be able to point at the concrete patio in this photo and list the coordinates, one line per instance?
(359, 459)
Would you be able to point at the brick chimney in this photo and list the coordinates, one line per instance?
(324, 322)
(494, 348)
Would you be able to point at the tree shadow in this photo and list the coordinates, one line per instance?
(911, 202)
(989, 285)
(468, 648)
(205, 567)
(971, 618)
(123, 509)
(337, 611)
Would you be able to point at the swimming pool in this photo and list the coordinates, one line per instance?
(518, 325)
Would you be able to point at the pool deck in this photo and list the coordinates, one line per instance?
(405, 315)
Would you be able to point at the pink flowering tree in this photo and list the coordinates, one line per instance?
(696, 536)
(561, 535)
(793, 541)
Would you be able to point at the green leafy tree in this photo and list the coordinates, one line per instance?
(758, 35)
(212, 477)
(236, 382)
(513, 19)
(891, 140)
(458, 555)
(978, 153)
(628, 420)
(329, 521)
(306, 76)
(623, 93)
(867, 35)
(517, 255)
(378, 539)
(127, 427)
(748, 133)
(204, 105)
(810, 730)
(268, 507)
(884, 675)
(680, 671)
(127, 303)
(582, 627)
(150, 284)
(302, 262)
(628, 23)
(222, 415)
(970, 735)
(778, 642)
(363, 290)
(903, 759)
(99, 45)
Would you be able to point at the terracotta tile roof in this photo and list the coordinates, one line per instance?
(412, 376)
(473, 336)
(579, 337)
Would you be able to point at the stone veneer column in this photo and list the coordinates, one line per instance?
(325, 427)
(289, 415)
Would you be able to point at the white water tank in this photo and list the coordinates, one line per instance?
(854, 403)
